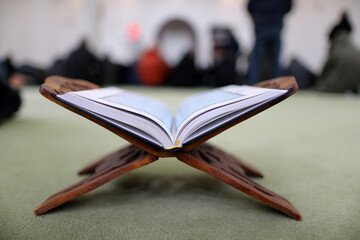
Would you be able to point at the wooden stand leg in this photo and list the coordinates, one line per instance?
(103, 171)
(205, 157)
(229, 170)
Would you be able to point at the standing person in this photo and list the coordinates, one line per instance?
(268, 17)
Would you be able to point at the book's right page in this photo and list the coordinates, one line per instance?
(203, 112)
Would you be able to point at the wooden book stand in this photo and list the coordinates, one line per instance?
(197, 154)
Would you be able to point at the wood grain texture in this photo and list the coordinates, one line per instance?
(230, 170)
(103, 171)
(205, 157)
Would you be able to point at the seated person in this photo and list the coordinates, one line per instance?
(10, 83)
(341, 71)
(83, 64)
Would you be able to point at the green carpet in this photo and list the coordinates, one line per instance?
(308, 148)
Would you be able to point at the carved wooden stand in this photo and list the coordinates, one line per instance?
(200, 155)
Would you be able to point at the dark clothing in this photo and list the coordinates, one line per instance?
(268, 20)
(268, 13)
(305, 78)
(341, 71)
(185, 73)
(226, 51)
(10, 101)
(343, 26)
(267, 43)
(6, 70)
(113, 73)
(83, 64)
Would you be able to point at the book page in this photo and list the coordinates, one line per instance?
(152, 120)
(219, 116)
(128, 121)
(136, 103)
(203, 102)
(130, 129)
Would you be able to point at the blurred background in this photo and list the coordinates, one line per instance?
(308, 147)
(155, 42)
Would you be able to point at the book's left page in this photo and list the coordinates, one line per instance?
(143, 116)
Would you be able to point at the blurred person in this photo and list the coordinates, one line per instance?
(177, 43)
(267, 16)
(226, 51)
(83, 64)
(185, 73)
(113, 73)
(305, 78)
(10, 83)
(34, 75)
(151, 68)
(341, 71)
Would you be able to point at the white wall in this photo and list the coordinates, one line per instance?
(308, 25)
(39, 31)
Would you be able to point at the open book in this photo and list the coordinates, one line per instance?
(155, 132)
(152, 121)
